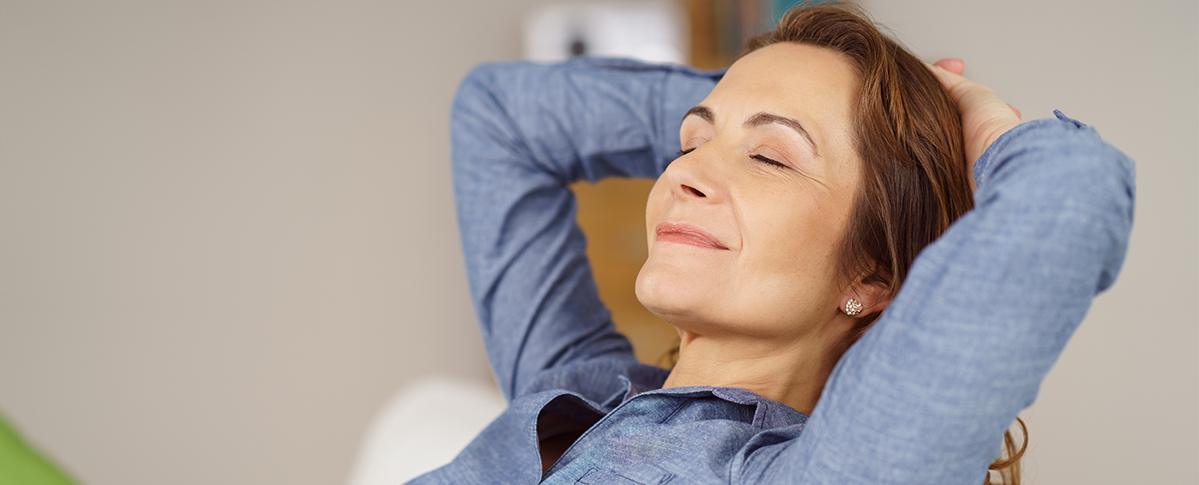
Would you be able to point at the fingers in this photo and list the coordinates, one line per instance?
(952, 81)
(949, 72)
(952, 64)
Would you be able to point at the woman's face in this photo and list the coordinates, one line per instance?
(779, 226)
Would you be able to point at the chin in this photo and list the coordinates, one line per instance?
(669, 292)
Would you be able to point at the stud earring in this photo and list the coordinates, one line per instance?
(853, 307)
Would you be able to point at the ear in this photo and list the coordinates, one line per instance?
(871, 291)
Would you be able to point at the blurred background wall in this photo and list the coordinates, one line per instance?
(228, 233)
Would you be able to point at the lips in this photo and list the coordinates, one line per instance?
(684, 233)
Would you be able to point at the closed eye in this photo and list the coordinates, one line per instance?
(769, 161)
(763, 159)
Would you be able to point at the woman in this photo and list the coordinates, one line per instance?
(789, 208)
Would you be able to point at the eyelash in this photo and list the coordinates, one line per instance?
(760, 158)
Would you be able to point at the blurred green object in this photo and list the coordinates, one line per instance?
(22, 465)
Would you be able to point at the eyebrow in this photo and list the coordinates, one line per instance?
(758, 119)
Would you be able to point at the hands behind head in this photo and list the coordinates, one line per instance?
(984, 116)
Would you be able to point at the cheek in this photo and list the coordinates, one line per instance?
(792, 244)
(785, 279)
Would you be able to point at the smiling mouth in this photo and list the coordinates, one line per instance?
(686, 234)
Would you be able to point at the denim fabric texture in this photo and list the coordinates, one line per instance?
(922, 398)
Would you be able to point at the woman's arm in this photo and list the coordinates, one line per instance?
(926, 394)
(520, 133)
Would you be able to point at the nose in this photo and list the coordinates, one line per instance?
(693, 181)
(692, 190)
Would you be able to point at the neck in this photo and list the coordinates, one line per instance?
(791, 372)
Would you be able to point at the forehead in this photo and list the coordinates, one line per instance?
(816, 85)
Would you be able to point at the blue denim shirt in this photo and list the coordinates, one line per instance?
(923, 397)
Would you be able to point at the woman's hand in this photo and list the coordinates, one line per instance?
(984, 115)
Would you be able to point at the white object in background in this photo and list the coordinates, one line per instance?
(424, 426)
(654, 31)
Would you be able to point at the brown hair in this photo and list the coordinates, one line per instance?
(915, 180)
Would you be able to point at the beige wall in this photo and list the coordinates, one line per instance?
(228, 230)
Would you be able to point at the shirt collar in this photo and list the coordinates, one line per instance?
(768, 413)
